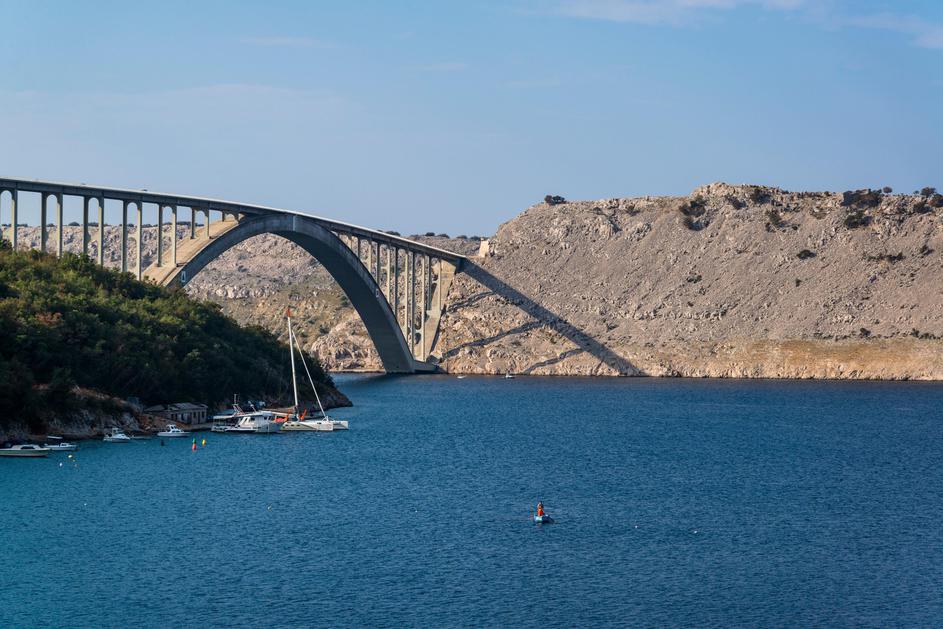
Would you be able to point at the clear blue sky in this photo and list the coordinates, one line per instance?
(454, 116)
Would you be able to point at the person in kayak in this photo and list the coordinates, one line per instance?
(540, 509)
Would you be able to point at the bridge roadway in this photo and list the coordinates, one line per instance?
(378, 271)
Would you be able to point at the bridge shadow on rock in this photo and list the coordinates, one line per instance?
(542, 318)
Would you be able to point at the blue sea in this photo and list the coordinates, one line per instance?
(692, 503)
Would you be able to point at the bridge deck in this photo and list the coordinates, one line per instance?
(220, 205)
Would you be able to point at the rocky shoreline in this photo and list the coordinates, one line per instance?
(94, 423)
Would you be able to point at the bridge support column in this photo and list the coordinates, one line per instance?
(124, 236)
(160, 235)
(426, 287)
(58, 198)
(101, 231)
(14, 198)
(85, 201)
(389, 268)
(412, 302)
(173, 235)
(396, 284)
(206, 213)
(376, 262)
(140, 237)
(193, 212)
(42, 222)
(438, 281)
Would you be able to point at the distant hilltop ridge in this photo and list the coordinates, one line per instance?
(728, 281)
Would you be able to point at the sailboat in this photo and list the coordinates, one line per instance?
(319, 424)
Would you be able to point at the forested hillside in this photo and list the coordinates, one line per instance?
(68, 323)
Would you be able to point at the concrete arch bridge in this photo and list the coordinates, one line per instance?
(398, 286)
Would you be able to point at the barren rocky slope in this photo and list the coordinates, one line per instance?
(738, 281)
(734, 281)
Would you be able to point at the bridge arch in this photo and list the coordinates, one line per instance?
(328, 249)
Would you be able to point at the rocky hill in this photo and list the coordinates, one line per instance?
(730, 281)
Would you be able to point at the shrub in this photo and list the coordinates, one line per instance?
(805, 254)
(798, 282)
(775, 218)
(694, 278)
(857, 219)
(759, 195)
(553, 199)
(886, 190)
(887, 257)
(693, 207)
(925, 250)
(861, 198)
(429, 234)
(936, 200)
(927, 192)
(734, 202)
(864, 333)
(442, 235)
(462, 237)
(73, 224)
(392, 233)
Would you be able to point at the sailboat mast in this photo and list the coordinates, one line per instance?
(294, 380)
(317, 397)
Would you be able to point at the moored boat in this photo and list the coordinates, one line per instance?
(61, 447)
(262, 422)
(117, 436)
(172, 432)
(24, 450)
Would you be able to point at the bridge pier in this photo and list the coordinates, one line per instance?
(42, 223)
(173, 237)
(138, 239)
(101, 231)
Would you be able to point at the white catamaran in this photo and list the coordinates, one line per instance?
(319, 424)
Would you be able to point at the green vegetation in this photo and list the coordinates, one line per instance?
(67, 323)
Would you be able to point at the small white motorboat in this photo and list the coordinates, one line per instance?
(173, 432)
(220, 427)
(508, 376)
(25, 450)
(62, 446)
(117, 436)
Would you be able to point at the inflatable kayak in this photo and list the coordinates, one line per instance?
(543, 519)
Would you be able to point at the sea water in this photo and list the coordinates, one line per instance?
(676, 503)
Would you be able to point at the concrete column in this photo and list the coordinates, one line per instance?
(101, 231)
(376, 262)
(13, 234)
(140, 238)
(412, 302)
(395, 299)
(438, 285)
(58, 198)
(426, 304)
(422, 305)
(207, 214)
(160, 235)
(359, 253)
(173, 236)
(124, 236)
(85, 201)
(42, 223)
(406, 295)
(192, 223)
(389, 271)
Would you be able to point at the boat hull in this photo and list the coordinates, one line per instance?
(24, 454)
(308, 426)
(543, 519)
